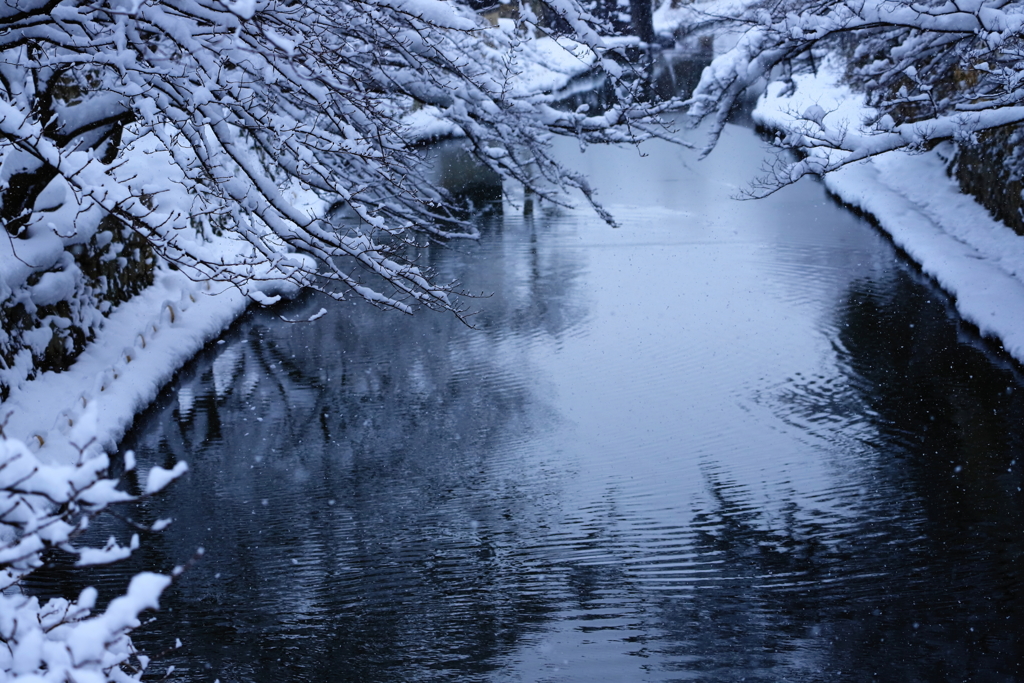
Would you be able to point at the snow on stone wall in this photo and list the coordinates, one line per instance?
(56, 289)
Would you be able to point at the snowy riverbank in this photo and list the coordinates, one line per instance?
(139, 348)
(975, 258)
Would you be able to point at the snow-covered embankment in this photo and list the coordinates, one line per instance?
(137, 350)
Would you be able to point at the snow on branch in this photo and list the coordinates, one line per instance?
(43, 508)
(930, 72)
(223, 132)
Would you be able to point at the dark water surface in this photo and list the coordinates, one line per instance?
(728, 441)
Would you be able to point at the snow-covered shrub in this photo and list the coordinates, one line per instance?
(42, 509)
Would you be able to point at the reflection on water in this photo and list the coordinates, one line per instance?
(664, 74)
(728, 441)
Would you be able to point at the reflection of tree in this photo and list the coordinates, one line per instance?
(946, 416)
(754, 613)
(917, 577)
(954, 413)
(953, 410)
(529, 286)
(345, 484)
(667, 74)
(801, 599)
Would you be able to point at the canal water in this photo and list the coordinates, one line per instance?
(727, 441)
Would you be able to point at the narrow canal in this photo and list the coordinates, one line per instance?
(727, 441)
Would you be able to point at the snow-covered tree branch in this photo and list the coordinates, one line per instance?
(246, 120)
(931, 72)
(44, 508)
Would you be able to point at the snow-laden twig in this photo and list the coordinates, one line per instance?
(931, 72)
(189, 119)
(44, 508)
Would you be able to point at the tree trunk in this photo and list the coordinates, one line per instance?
(641, 15)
